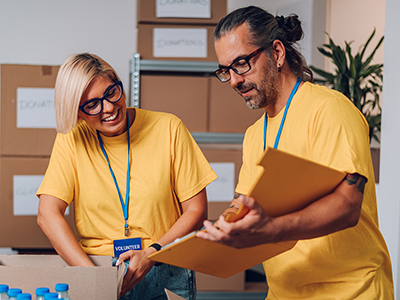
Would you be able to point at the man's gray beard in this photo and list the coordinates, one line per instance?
(257, 105)
(251, 105)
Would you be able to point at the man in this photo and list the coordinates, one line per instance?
(341, 253)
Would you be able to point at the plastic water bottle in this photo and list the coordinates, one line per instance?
(62, 291)
(3, 291)
(50, 296)
(24, 296)
(12, 293)
(40, 292)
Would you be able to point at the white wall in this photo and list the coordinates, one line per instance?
(388, 189)
(45, 32)
(355, 20)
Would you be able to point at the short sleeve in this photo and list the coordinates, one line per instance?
(192, 172)
(340, 137)
(59, 177)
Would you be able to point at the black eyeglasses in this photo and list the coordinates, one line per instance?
(95, 106)
(240, 66)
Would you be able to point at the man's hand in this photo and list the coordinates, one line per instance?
(138, 268)
(253, 229)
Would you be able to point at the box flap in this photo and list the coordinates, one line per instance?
(31, 271)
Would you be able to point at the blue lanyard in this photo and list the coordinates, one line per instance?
(278, 136)
(124, 204)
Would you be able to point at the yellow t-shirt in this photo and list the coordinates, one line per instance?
(166, 167)
(324, 126)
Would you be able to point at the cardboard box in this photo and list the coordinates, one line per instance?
(147, 13)
(228, 110)
(375, 155)
(146, 46)
(29, 272)
(102, 282)
(183, 96)
(24, 141)
(206, 282)
(221, 153)
(18, 225)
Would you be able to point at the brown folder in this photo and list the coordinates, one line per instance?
(172, 296)
(288, 184)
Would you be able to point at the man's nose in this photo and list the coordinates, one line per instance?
(235, 79)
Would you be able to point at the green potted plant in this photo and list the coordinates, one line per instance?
(356, 78)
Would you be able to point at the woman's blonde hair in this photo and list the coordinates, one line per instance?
(74, 76)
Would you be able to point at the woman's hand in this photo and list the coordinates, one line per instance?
(194, 211)
(138, 268)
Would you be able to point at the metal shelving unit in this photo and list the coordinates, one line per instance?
(142, 65)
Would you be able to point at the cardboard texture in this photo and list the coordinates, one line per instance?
(29, 272)
(147, 14)
(204, 104)
(215, 209)
(23, 141)
(293, 184)
(183, 96)
(206, 282)
(228, 110)
(145, 43)
(21, 231)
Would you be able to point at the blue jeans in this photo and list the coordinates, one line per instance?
(178, 280)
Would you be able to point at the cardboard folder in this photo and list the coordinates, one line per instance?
(287, 184)
(172, 296)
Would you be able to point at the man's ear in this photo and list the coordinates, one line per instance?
(278, 49)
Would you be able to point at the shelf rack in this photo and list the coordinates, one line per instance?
(143, 65)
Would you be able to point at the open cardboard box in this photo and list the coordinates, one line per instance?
(29, 272)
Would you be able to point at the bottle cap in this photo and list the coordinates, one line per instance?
(50, 296)
(24, 296)
(3, 288)
(14, 292)
(40, 291)
(62, 287)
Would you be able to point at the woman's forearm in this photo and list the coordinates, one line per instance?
(52, 222)
(194, 213)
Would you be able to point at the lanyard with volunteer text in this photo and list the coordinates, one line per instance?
(125, 204)
(278, 135)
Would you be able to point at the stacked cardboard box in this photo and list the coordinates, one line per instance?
(27, 133)
(203, 103)
(171, 30)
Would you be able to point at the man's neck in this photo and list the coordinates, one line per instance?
(287, 84)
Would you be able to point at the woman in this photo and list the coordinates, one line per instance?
(101, 146)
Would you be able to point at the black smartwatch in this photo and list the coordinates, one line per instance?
(158, 248)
